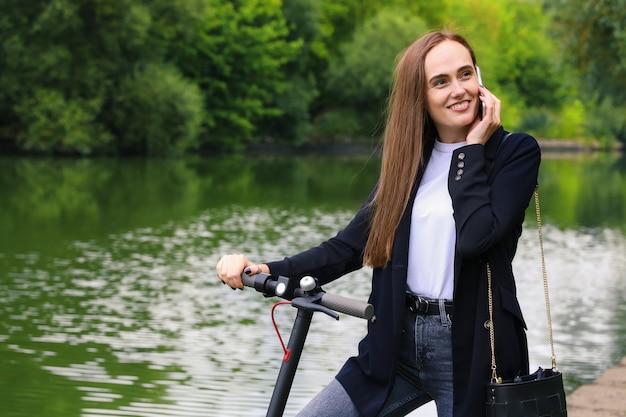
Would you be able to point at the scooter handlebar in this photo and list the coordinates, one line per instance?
(349, 306)
(277, 286)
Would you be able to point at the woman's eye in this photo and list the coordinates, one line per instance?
(467, 74)
(439, 83)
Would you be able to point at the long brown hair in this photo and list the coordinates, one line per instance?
(408, 130)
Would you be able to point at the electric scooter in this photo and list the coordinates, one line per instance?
(308, 298)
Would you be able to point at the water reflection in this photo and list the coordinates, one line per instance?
(113, 309)
(587, 283)
(133, 331)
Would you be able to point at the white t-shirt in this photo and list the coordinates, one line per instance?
(433, 235)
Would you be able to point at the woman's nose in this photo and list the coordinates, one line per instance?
(457, 88)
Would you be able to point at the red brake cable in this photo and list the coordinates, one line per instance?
(287, 352)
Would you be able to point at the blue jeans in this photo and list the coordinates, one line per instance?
(424, 374)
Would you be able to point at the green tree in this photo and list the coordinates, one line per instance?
(360, 77)
(593, 39)
(327, 30)
(52, 122)
(156, 111)
(236, 58)
(303, 19)
(514, 53)
(67, 62)
(607, 121)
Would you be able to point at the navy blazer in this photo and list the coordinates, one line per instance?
(490, 187)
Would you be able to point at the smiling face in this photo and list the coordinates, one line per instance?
(451, 90)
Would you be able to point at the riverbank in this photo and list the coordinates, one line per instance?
(550, 146)
(605, 397)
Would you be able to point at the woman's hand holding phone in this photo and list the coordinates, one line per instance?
(488, 115)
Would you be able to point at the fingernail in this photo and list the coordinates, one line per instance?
(247, 271)
(234, 289)
(223, 282)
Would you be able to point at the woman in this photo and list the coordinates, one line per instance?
(450, 199)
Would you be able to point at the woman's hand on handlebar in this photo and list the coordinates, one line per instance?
(230, 267)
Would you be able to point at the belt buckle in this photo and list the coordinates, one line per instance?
(422, 305)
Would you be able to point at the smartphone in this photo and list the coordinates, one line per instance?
(481, 108)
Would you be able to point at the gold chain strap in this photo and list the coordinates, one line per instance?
(494, 374)
(492, 339)
(545, 279)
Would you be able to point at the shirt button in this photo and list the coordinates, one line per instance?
(461, 164)
(461, 156)
(459, 172)
(457, 178)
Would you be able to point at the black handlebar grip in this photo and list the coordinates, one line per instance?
(248, 280)
(348, 306)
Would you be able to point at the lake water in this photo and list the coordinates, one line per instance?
(109, 304)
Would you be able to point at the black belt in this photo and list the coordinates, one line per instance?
(421, 305)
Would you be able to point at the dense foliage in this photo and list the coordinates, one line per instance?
(169, 76)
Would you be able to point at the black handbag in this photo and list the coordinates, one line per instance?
(540, 394)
